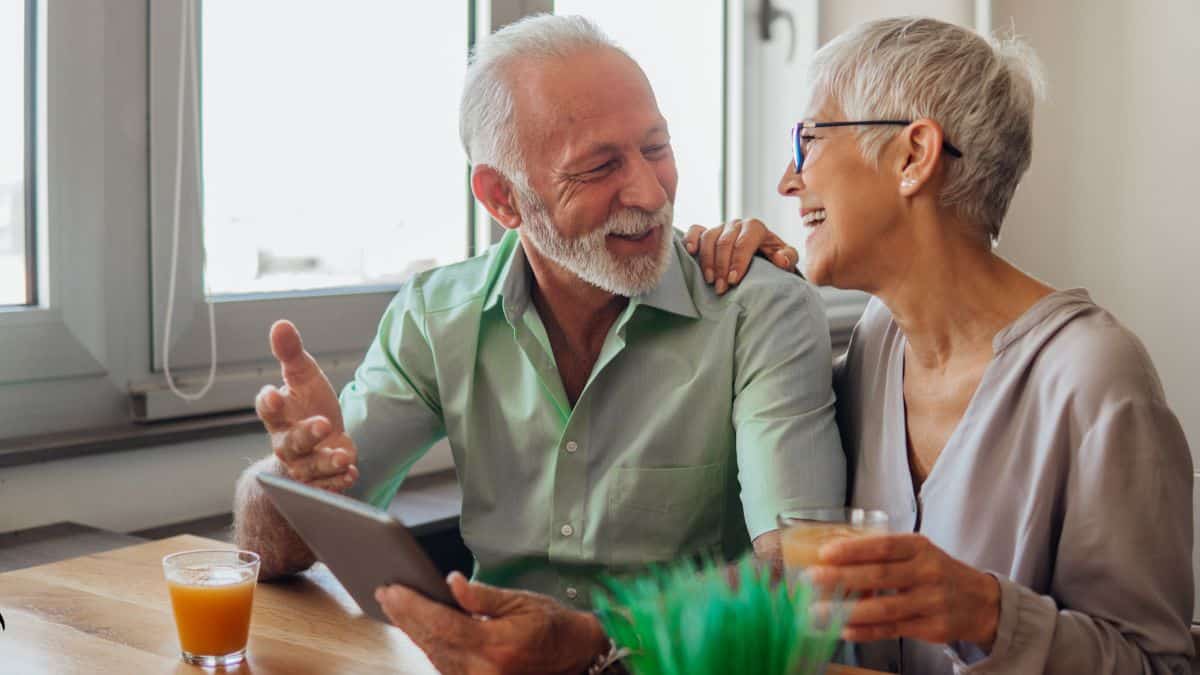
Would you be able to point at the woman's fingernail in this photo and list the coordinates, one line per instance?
(733, 276)
(708, 276)
(721, 286)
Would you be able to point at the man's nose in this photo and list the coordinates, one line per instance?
(791, 184)
(643, 190)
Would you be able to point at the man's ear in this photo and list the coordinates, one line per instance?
(496, 194)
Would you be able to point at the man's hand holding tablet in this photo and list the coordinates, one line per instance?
(503, 631)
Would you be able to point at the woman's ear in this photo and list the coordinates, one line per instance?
(496, 194)
(919, 155)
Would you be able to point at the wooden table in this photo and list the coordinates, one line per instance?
(109, 613)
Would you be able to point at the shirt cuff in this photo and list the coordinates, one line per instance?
(1023, 632)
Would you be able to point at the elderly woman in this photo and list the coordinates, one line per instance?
(1016, 435)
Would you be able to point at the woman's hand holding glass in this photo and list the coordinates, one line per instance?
(908, 587)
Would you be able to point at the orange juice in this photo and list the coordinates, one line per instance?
(802, 542)
(212, 592)
(212, 612)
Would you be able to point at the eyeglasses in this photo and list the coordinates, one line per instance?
(799, 144)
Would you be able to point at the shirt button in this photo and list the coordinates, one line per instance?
(567, 530)
(572, 446)
(572, 593)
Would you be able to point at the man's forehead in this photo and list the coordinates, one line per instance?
(583, 94)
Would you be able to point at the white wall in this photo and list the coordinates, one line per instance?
(1110, 202)
(131, 490)
(837, 16)
(143, 488)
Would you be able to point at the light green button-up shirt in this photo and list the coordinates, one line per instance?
(704, 416)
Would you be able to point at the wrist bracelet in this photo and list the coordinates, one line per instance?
(602, 662)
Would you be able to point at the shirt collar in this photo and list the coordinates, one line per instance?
(513, 283)
(670, 295)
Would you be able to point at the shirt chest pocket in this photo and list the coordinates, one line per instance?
(665, 514)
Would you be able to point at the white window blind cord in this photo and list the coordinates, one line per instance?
(187, 50)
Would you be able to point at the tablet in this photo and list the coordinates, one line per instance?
(364, 547)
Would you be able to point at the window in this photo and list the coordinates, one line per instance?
(328, 163)
(14, 64)
(384, 83)
(326, 169)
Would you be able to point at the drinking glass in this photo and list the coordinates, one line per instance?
(212, 592)
(804, 531)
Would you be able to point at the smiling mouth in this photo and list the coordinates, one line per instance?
(634, 237)
(813, 218)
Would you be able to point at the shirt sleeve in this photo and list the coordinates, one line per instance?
(788, 450)
(1121, 594)
(391, 408)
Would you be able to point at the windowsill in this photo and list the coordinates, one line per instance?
(50, 447)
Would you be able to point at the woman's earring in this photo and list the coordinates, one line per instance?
(907, 183)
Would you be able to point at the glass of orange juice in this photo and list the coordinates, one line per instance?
(804, 531)
(212, 592)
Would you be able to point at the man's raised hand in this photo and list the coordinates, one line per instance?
(304, 419)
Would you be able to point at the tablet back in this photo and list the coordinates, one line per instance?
(364, 547)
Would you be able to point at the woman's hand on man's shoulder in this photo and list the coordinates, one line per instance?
(726, 250)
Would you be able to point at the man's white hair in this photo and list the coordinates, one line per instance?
(485, 123)
(981, 91)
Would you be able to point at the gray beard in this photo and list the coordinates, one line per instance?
(587, 256)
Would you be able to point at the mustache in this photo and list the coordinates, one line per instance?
(634, 221)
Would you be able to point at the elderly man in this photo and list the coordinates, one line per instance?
(606, 409)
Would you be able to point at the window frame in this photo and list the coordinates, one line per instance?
(65, 360)
(30, 129)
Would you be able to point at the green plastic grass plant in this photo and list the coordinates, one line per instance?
(690, 620)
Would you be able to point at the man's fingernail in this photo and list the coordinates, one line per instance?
(708, 276)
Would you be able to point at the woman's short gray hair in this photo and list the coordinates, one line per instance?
(980, 90)
(485, 121)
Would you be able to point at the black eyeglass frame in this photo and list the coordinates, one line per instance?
(798, 127)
